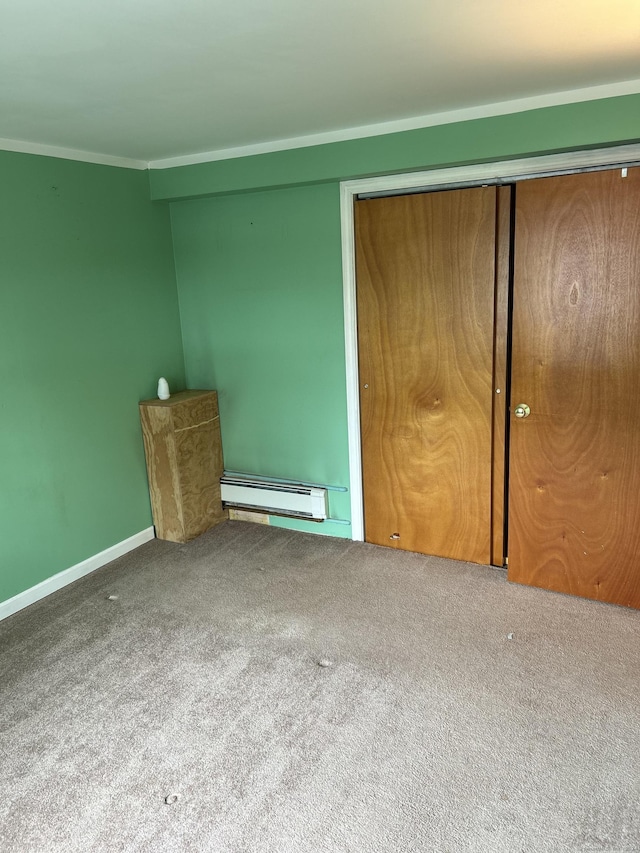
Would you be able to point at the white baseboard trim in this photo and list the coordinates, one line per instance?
(74, 573)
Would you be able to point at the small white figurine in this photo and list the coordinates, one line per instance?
(163, 389)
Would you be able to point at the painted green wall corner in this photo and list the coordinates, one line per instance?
(260, 280)
(88, 321)
(590, 124)
(260, 288)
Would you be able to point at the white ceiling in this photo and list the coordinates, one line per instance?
(157, 79)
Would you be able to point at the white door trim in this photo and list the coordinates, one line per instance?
(505, 171)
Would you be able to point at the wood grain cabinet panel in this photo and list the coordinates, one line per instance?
(184, 463)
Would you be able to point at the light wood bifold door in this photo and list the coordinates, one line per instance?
(433, 302)
(426, 266)
(574, 485)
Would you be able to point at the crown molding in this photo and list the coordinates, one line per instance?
(22, 147)
(591, 93)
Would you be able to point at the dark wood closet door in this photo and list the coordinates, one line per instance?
(574, 505)
(425, 293)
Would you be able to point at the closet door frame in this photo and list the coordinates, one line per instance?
(503, 172)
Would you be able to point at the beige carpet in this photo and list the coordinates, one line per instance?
(458, 712)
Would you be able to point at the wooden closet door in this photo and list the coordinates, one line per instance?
(574, 505)
(425, 294)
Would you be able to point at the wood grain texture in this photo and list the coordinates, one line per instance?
(574, 507)
(184, 463)
(162, 472)
(500, 367)
(425, 285)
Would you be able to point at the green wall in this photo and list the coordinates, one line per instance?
(260, 282)
(88, 321)
(260, 286)
(592, 124)
(89, 316)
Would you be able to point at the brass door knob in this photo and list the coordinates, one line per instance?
(522, 410)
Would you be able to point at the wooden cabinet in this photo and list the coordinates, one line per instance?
(184, 463)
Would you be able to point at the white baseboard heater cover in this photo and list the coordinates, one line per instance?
(276, 498)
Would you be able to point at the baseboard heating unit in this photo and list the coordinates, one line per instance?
(275, 498)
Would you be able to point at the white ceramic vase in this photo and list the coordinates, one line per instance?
(163, 389)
